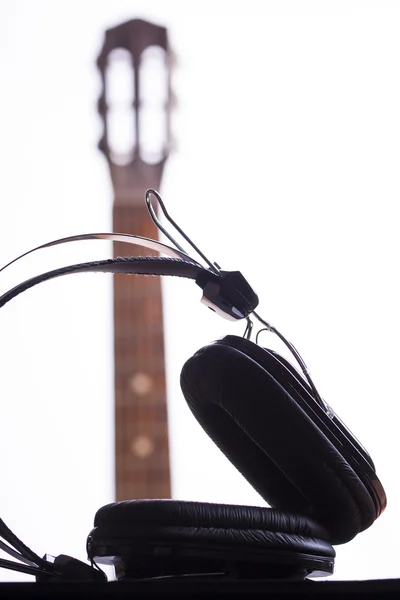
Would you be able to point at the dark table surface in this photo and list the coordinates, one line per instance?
(388, 588)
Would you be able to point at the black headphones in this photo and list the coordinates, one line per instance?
(264, 415)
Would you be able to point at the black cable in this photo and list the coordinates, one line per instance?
(9, 550)
(13, 566)
(26, 552)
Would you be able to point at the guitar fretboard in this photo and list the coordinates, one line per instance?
(141, 423)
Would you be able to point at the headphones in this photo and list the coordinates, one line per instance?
(266, 416)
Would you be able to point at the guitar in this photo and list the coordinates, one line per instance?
(134, 60)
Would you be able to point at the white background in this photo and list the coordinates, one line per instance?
(287, 131)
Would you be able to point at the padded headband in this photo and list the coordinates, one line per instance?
(138, 265)
(225, 292)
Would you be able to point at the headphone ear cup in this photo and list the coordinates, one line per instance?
(275, 445)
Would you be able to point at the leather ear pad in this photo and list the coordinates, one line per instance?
(208, 525)
(271, 440)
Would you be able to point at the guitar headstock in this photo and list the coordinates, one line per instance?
(135, 102)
